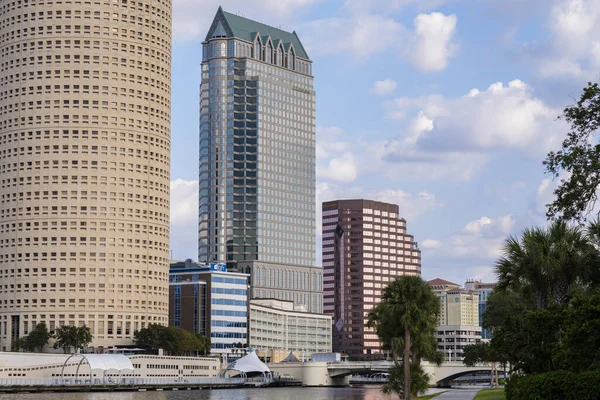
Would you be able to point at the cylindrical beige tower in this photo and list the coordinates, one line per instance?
(84, 166)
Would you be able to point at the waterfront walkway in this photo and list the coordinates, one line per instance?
(458, 394)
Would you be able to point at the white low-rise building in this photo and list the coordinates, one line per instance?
(52, 365)
(278, 325)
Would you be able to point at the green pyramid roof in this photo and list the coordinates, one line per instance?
(246, 29)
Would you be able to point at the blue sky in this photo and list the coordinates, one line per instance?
(445, 107)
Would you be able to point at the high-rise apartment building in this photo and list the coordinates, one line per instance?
(257, 159)
(365, 246)
(458, 320)
(84, 166)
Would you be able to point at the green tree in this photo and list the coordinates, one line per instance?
(68, 337)
(174, 340)
(150, 336)
(579, 347)
(579, 157)
(419, 380)
(475, 354)
(37, 338)
(405, 320)
(84, 336)
(548, 265)
(203, 344)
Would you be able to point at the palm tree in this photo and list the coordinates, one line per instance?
(549, 264)
(405, 320)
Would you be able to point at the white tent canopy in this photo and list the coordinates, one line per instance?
(249, 363)
(106, 362)
(103, 362)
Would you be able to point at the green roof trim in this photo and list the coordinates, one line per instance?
(246, 29)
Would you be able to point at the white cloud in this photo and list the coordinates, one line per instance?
(488, 227)
(429, 47)
(432, 44)
(184, 219)
(501, 117)
(572, 51)
(389, 5)
(335, 160)
(342, 168)
(404, 157)
(430, 244)
(480, 240)
(352, 35)
(192, 18)
(384, 87)
(410, 206)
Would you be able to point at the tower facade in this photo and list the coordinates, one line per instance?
(257, 159)
(84, 166)
(365, 246)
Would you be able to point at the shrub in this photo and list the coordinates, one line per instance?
(558, 385)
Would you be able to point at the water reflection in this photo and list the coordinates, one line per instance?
(296, 393)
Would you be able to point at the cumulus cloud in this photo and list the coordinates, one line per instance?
(335, 160)
(410, 206)
(352, 35)
(498, 118)
(404, 157)
(390, 5)
(192, 18)
(429, 46)
(488, 227)
(572, 49)
(430, 244)
(432, 44)
(479, 241)
(184, 219)
(342, 168)
(384, 87)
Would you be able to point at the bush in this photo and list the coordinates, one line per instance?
(558, 385)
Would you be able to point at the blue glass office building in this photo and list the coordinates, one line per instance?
(208, 300)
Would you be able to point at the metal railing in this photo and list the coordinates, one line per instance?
(82, 381)
(359, 365)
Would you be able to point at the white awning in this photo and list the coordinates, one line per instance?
(103, 362)
(106, 362)
(249, 363)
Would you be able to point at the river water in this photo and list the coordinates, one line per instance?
(291, 393)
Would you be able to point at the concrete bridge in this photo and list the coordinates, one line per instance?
(338, 374)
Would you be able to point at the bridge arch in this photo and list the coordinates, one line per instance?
(445, 380)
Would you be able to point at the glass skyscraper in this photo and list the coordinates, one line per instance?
(257, 159)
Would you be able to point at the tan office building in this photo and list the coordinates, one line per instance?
(84, 166)
(458, 321)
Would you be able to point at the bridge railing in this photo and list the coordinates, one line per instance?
(360, 365)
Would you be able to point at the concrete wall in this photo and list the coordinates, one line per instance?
(310, 373)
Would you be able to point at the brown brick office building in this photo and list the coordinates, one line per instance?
(365, 246)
